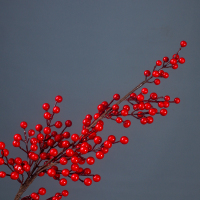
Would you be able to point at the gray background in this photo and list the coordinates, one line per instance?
(87, 51)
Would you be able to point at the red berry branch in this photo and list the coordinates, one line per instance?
(45, 148)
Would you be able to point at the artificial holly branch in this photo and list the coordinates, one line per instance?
(51, 148)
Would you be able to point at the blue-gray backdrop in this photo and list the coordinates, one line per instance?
(87, 51)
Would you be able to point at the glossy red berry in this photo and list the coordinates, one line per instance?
(34, 147)
(63, 160)
(152, 111)
(1, 161)
(35, 196)
(51, 172)
(119, 120)
(147, 106)
(181, 60)
(98, 127)
(163, 112)
(96, 178)
(47, 115)
(100, 107)
(63, 182)
(96, 116)
(116, 97)
(183, 43)
(127, 123)
(42, 191)
(147, 73)
(17, 137)
(99, 155)
(58, 99)
(143, 120)
(11, 161)
(158, 62)
(83, 150)
(111, 138)
(68, 123)
(31, 132)
(167, 98)
(160, 104)
(115, 107)
(90, 160)
(97, 140)
(87, 181)
(53, 152)
(157, 81)
(38, 128)
(86, 122)
(2, 174)
(173, 61)
(176, 56)
(140, 97)
(23, 124)
(166, 104)
(165, 59)
(14, 175)
(75, 177)
(175, 66)
(177, 100)
(65, 172)
(124, 140)
(26, 167)
(65, 144)
(5, 152)
(46, 106)
(16, 143)
(153, 96)
(69, 152)
(65, 193)
(165, 75)
(149, 120)
(47, 130)
(107, 144)
(56, 109)
(66, 135)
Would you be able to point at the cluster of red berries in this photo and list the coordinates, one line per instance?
(49, 146)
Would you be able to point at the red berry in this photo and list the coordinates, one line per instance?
(96, 178)
(141, 106)
(16, 143)
(90, 160)
(47, 115)
(43, 156)
(41, 174)
(96, 116)
(38, 128)
(56, 109)
(140, 97)
(100, 107)
(149, 119)
(147, 73)
(133, 95)
(153, 95)
(42, 191)
(2, 174)
(97, 140)
(5, 152)
(161, 72)
(31, 132)
(163, 112)
(175, 66)
(69, 152)
(158, 62)
(166, 104)
(51, 172)
(34, 147)
(63, 161)
(68, 123)
(160, 104)
(14, 175)
(111, 138)
(65, 144)
(127, 107)
(127, 123)
(147, 106)
(176, 56)
(17, 137)
(58, 99)
(50, 142)
(119, 120)
(74, 167)
(183, 43)
(86, 122)
(167, 98)
(124, 140)
(65, 193)
(63, 182)
(40, 137)
(65, 172)
(177, 100)
(11, 161)
(23, 125)
(115, 107)
(144, 90)
(124, 112)
(98, 127)
(107, 144)
(46, 106)
(75, 137)
(90, 116)
(75, 177)
(173, 61)
(143, 120)
(85, 131)
(99, 155)
(165, 59)
(87, 181)
(181, 60)
(1, 161)
(83, 150)
(74, 159)
(53, 152)
(157, 81)
(116, 97)
(165, 75)
(66, 135)
(26, 167)
(35, 196)
(58, 124)
(47, 130)
(152, 111)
